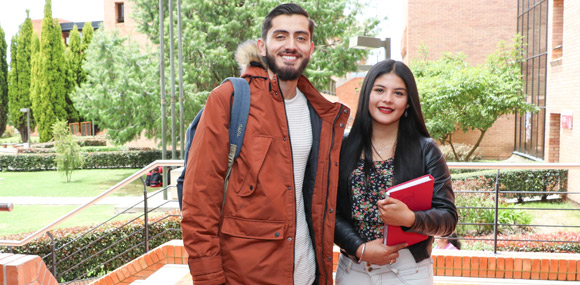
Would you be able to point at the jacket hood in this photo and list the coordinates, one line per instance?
(247, 55)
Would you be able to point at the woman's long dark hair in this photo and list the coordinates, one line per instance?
(408, 160)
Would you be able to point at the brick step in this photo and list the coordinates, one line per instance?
(169, 274)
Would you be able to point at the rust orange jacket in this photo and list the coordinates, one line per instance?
(252, 242)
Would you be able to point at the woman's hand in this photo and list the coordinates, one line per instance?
(378, 253)
(395, 213)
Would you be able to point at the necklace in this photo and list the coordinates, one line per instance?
(379, 152)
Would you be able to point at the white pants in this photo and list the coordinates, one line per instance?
(404, 271)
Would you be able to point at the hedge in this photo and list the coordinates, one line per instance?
(96, 248)
(110, 159)
(535, 242)
(528, 180)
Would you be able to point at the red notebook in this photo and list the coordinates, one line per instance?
(418, 195)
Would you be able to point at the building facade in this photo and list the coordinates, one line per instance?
(474, 28)
(562, 133)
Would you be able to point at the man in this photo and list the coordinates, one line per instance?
(276, 225)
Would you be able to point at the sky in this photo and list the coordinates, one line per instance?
(13, 14)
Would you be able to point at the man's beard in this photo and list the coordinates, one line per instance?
(285, 73)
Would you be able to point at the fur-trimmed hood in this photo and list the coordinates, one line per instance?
(248, 54)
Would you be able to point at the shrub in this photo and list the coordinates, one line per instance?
(68, 152)
(528, 180)
(538, 242)
(91, 251)
(461, 149)
(477, 210)
(106, 160)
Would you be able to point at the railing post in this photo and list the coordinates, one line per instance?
(495, 221)
(53, 250)
(145, 217)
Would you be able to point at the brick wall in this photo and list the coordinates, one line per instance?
(348, 94)
(562, 91)
(474, 28)
(19, 269)
(129, 27)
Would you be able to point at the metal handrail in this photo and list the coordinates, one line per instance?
(6, 207)
(143, 171)
(81, 208)
(504, 165)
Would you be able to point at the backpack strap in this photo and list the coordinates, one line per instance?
(238, 117)
(238, 121)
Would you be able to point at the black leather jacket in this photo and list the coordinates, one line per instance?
(440, 220)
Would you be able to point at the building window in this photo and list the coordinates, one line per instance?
(557, 28)
(530, 127)
(120, 9)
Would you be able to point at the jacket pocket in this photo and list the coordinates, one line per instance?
(247, 167)
(254, 229)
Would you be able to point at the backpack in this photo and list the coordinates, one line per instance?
(154, 177)
(238, 118)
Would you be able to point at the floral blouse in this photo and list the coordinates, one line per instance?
(366, 216)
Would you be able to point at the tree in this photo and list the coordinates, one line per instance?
(19, 89)
(213, 29)
(51, 82)
(3, 83)
(68, 152)
(456, 96)
(121, 91)
(73, 58)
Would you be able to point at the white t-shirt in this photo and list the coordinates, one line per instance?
(301, 139)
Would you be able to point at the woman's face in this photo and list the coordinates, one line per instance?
(388, 99)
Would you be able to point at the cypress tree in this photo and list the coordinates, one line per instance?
(52, 76)
(19, 90)
(3, 83)
(35, 59)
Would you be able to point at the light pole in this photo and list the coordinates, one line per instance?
(27, 111)
(363, 42)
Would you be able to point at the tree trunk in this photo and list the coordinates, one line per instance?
(23, 132)
(453, 148)
(476, 145)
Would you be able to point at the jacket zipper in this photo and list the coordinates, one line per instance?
(328, 190)
(293, 183)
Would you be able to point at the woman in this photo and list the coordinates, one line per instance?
(450, 242)
(387, 145)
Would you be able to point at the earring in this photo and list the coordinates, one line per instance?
(406, 113)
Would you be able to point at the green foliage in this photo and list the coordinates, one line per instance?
(68, 152)
(93, 160)
(52, 98)
(557, 242)
(122, 88)
(75, 55)
(456, 96)
(212, 31)
(532, 181)
(3, 82)
(20, 73)
(92, 250)
(478, 211)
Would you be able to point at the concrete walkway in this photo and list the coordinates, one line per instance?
(120, 203)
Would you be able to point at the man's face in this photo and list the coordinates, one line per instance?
(288, 46)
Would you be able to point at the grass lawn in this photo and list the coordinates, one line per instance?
(85, 183)
(553, 217)
(34, 217)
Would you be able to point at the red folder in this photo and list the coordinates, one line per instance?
(418, 195)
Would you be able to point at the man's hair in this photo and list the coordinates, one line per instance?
(286, 9)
